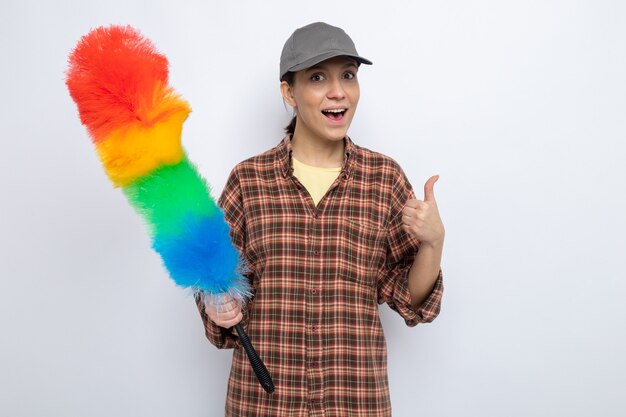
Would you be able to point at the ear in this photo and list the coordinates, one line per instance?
(287, 92)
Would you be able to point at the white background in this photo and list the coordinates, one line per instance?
(519, 106)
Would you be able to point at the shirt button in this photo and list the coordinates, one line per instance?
(316, 252)
(315, 216)
(314, 327)
(314, 291)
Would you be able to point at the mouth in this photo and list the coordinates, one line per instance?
(336, 115)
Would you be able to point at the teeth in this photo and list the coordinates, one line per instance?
(335, 110)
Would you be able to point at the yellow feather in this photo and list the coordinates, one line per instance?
(136, 150)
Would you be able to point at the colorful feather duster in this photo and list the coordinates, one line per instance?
(120, 85)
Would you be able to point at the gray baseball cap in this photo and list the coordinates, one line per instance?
(314, 43)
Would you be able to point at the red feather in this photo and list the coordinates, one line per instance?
(116, 76)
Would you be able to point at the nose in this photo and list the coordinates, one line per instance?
(336, 90)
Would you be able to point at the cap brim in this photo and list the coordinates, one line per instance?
(323, 57)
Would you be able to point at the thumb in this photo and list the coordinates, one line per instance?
(429, 192)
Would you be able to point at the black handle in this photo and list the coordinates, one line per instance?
(258, 366)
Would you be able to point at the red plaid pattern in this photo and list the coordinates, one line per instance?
(318, 275)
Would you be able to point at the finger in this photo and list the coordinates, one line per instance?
(220, 309)
(411, 233)
(230, 304)
(228, 316)
(409, 219)
(429, 192)
(232, 322)
(225, 299)
(215, 301)
(412, 211)
(227, 308)
(226, 302)
(412, 203)
(408, 229)
(220, 317)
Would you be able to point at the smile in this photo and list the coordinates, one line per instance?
(335, 114)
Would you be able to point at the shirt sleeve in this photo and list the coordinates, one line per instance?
(401, 250)
(231, 203)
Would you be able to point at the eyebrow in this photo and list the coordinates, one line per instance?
(318, 66)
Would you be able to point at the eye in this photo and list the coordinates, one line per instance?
(349, 75)
(317, 77)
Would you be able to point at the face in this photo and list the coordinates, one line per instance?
(325, 98)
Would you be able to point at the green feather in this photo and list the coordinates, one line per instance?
(170, 197)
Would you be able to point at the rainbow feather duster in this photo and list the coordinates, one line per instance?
(134, 118)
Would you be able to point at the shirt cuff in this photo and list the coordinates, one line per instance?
(429, 309)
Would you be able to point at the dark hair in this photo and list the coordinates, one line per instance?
(291, 127)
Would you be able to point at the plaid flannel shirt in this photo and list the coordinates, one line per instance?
(318, 274)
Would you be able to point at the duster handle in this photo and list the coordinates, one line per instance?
(257, 364)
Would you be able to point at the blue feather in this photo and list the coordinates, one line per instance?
(202, 257)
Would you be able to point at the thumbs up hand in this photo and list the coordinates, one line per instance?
(421, 220)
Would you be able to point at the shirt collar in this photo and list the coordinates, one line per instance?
(284, 157)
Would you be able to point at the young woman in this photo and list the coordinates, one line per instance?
(329, 230)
